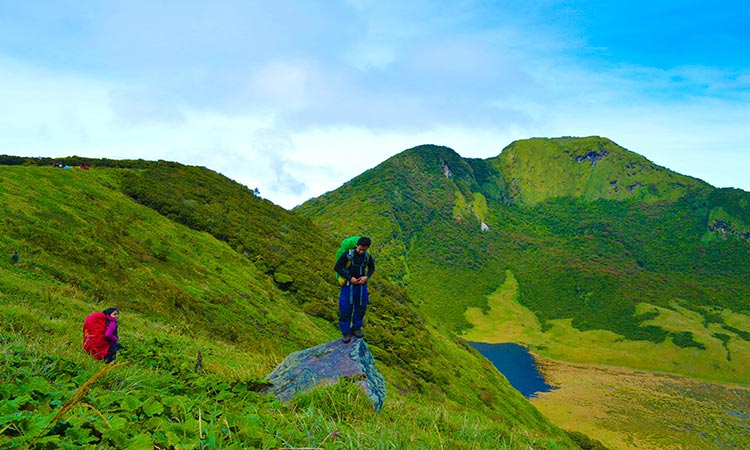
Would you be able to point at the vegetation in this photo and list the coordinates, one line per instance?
(199, 264)
(627, 408)
(580, 247)
(692, 345)
(588, 168)
(575, 247)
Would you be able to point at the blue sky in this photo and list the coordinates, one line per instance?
(297, 97)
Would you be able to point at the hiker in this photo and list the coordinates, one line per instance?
(100, 338)
(355, 267)
(111, 334)
(14, 257)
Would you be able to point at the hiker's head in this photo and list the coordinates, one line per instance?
(363, 244)
(112, 312)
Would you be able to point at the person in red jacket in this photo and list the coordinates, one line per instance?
(100, 338)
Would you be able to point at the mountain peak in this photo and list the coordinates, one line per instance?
(589, 168)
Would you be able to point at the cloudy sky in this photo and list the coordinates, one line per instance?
(297, 97)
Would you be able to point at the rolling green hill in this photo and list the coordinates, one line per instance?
(594, 234)
(198, 265)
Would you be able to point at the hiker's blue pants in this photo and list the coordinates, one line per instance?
(353, 302)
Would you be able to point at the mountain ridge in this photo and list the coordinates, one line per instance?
(592, 231)
(590, 168)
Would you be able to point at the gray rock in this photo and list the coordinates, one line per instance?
(326, 364)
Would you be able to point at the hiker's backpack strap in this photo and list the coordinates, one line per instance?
(365, 263)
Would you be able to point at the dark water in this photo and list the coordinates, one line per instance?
(515, 362)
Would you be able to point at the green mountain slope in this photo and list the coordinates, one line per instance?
(421, 207)
(593, 234)
(197, 263)
(587, 168)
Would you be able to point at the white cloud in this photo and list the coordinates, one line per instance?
(133, 105)
(49, 112)
(296, 98)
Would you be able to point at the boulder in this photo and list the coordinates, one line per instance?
(326, 364)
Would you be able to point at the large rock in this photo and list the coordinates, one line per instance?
(326, 364)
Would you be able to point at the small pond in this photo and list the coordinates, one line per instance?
(516, 363)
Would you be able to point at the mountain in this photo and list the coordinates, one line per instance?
(585, 168)
(626, 280)
(215, 286)
(575, 247)
(593, 234)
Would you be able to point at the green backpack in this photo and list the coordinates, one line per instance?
(347, 246)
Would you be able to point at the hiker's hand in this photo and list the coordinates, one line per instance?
(354, 280)
(362, 280)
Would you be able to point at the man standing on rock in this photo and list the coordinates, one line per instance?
(356, 267)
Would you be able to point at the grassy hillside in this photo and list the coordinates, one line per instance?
(420, 207)
(588, 168)
(591, 256)
(196, 263)
(554, 213)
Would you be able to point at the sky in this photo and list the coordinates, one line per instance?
(295, 98)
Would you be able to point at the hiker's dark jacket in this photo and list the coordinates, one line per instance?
(358, 268)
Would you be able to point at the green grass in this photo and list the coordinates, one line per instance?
(589, 168)
(154, 398)
(577, 255)
(705, 357)
(621, 262)
(646, 406)
(191, 276)
(627, 408)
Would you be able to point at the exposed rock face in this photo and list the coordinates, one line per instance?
(592, 156)
(326, 364)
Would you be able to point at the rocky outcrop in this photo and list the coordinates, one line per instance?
(326, 364)
(592, 156)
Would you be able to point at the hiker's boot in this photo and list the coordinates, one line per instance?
(358, 334)
(347, 338)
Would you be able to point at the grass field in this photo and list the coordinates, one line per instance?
(625, 408)
(634, 394)
(721, 360)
